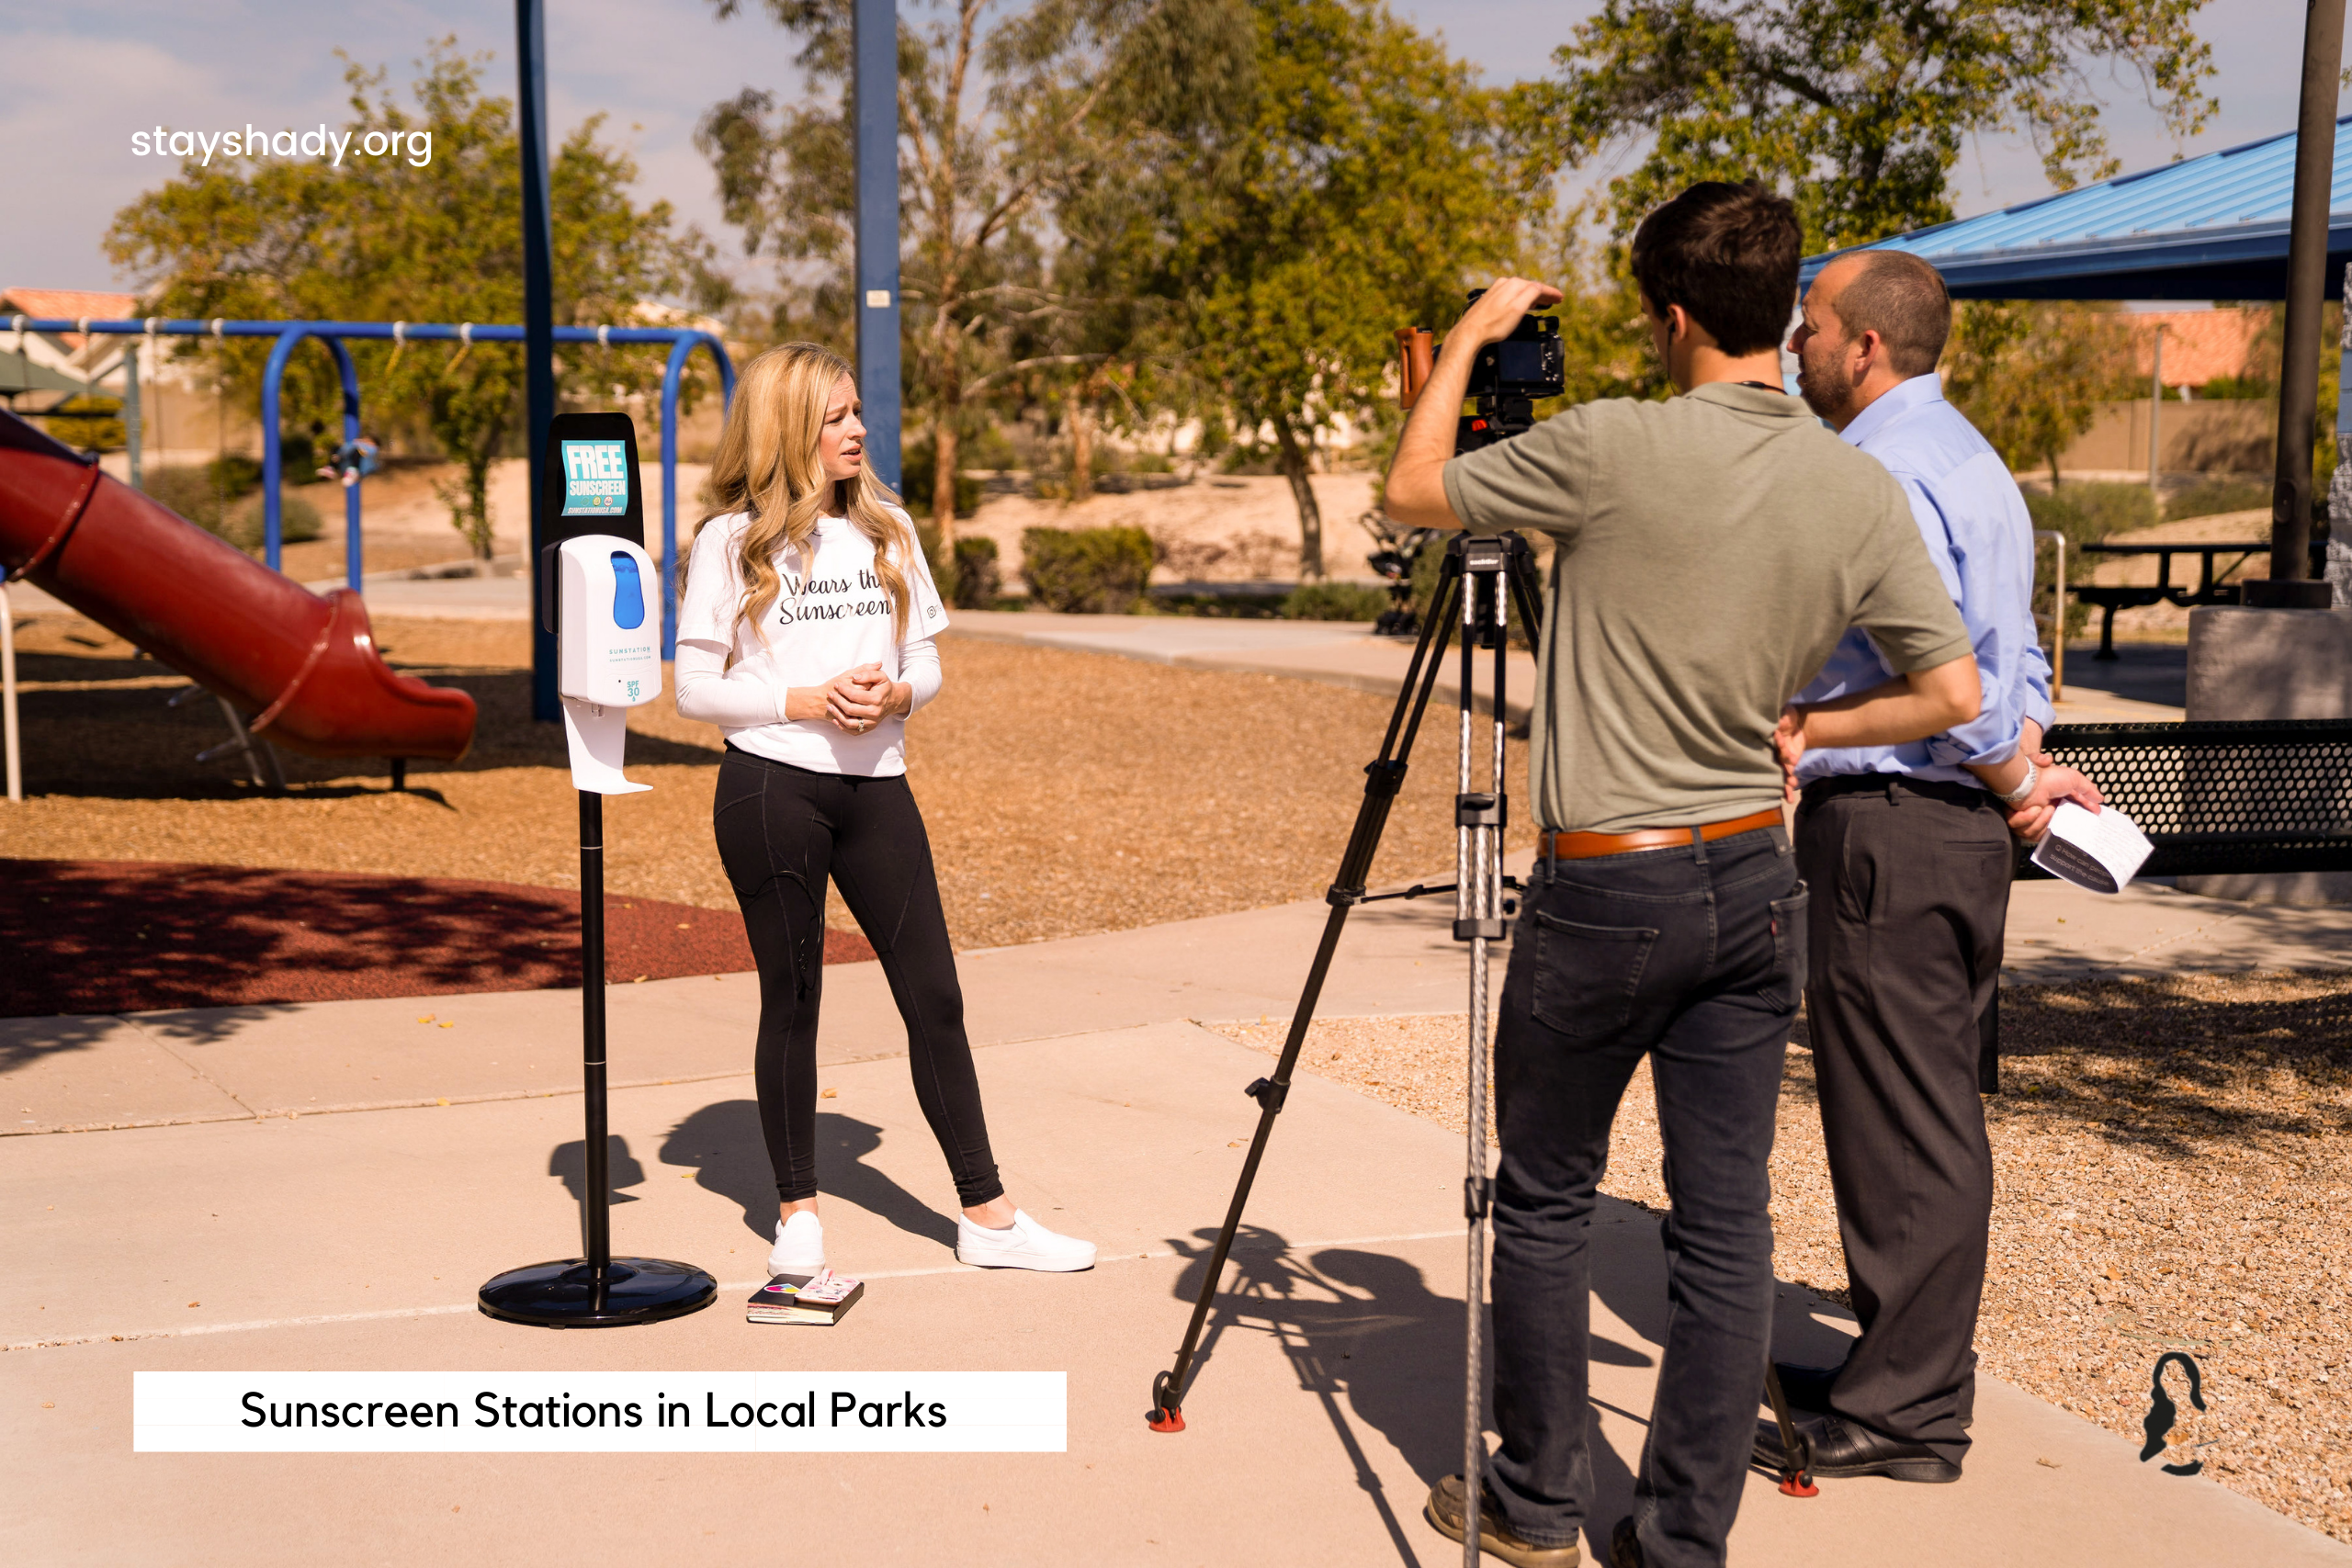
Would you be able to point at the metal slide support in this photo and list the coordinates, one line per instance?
(538, 321)
(2057, 614)
(8, 738)
(874, 92)
(681, 350)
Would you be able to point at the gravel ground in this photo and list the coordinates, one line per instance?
(1066, 793)
(2171, 1173)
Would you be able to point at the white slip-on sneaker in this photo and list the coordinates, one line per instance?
(1026, 1245)
(799, 1246)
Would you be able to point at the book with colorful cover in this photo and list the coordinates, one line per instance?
(823, 1297)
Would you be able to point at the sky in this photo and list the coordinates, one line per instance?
(81, 78)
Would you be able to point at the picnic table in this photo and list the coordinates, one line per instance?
(2110, 598)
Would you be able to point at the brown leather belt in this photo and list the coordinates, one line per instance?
(1586, 846)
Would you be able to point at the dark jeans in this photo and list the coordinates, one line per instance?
(1911, 893)
(782, 831)
(1694, 957)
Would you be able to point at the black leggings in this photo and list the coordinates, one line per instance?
(782, 831)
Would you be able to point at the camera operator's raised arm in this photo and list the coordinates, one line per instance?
(1416, 491)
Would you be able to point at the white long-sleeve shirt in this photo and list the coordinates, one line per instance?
(833, 615)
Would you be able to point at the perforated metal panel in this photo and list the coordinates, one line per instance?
(2224, 798)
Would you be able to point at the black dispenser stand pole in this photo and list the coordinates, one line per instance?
(596, 1204)
(598, 1291)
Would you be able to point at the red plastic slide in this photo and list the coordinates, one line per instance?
(303, 668)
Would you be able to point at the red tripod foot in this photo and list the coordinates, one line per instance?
(1797, 1483)
(1164, 1416)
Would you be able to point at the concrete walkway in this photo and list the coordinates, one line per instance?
(232, 1223)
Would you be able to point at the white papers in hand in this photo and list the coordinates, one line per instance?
(2101, 850)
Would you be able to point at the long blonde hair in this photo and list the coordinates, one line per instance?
(767, 465)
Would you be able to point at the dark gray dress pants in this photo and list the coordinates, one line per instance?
(1910, 893)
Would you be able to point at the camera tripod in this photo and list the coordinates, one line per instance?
(1479, 582)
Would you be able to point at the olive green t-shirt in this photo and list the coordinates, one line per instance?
(1712, 550)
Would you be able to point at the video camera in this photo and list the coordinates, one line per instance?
(1505, 381)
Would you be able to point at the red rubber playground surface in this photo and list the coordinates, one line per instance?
(129, 936)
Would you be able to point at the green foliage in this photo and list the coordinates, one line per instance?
(1073, 90)
(1856, 107)
(2210, 497)
(90, 423)
(1367, 179)
(1335, 602)
(234, 474)
(188, 490)
(1091, 570)
(918, 464)
(298, 522)
(979, 581)
(2030, 376)
(379, 239)
(2085, 513)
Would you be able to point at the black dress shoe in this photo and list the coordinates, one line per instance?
(1837, 1449)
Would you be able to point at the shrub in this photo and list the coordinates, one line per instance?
(919, 467)
(234, 474)
(298, 522)
(1335, 602)
(93, 423)
(2209, 497)
(2085, 513)
(186, 491)
(978, 579)
(1090, 570)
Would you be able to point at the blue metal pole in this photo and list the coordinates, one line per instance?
(539, 320)
(350, 373)
(681, 350)
(876, 92)
(272, 460)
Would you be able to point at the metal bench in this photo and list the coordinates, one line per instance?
(2218, 798)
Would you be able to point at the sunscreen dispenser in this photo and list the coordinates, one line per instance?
(608, 651)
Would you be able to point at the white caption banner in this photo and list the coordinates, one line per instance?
(585, 1412)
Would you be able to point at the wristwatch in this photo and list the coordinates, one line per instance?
(2032, 777)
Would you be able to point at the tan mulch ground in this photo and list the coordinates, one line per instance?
(2173, 1172)
(1066, 793)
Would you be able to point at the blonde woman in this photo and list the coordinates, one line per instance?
(806, 635)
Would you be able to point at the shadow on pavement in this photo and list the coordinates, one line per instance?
(723, 1143)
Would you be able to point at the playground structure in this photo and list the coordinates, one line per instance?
(304, 666)
(289, 337)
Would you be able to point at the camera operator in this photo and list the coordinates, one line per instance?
(1712, 550)
(1907, 851)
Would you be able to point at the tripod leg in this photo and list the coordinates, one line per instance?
(1795, 1481)
(1383, 779)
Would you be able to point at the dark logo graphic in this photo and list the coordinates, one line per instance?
(2162, 1411)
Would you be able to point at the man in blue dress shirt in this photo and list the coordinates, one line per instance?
(1907, 851)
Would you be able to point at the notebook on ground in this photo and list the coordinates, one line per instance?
(821, 1297)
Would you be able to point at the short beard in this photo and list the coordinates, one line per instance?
(1831, 402)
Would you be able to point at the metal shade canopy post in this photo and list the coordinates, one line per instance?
(874, 90)
(2288, 586)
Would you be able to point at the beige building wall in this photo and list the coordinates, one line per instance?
(2222, 436)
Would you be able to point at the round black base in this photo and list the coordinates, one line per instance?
(564, 1294)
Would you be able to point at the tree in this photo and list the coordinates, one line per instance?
(1370, 179)
(978, 166)
(385, 239)
(1858, 109)
(2030, 376)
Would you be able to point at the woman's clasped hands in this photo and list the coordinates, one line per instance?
(856, 700)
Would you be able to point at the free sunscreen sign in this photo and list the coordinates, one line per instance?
(764, 1412)
(595, 478)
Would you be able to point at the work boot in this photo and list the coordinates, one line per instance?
(1496, 1538)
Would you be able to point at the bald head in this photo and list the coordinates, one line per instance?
(1897, 295)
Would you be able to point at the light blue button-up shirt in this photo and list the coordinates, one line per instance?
(1981, 538)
